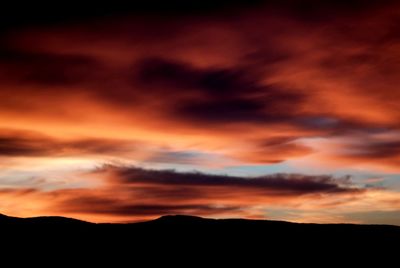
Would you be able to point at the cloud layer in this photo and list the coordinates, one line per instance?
(279, 72)
(234, 84)
(131, 193)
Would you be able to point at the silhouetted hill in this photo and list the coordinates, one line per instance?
(46, 220)
(180, 224)
(194, 235)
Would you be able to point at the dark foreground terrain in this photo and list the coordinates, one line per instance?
(179, 226)
(198, 236)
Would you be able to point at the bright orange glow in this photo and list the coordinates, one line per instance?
(264, 91)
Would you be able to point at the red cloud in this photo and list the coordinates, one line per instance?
(243, 84)
(130, 193)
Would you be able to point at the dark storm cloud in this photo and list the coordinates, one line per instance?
(273, 107)
(223, 111)
(207, 95)
(228, 95)
(136, 192)
(291, 184)
(217, 95)
(163, 74)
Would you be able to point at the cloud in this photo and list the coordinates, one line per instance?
(376, 150)
(275, 150)
(163, 74)
(135, 193)
(215, 84)
(143, 192)
(179, 157)
(30, 146)
(44, 68)
(21, 143)
(381, 150)
(125, 209)
(215, 95)
(278, 184)
(227, 84)
(11, 146)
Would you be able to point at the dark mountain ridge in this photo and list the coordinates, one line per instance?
(178, 223)
(179, 235)
(185, 220)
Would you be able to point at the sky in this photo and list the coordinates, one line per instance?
(280, 110)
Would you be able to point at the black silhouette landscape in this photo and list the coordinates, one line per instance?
(191, 228)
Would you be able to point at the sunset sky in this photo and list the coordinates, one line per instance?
(282, 110)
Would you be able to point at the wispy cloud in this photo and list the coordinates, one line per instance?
(131, 193)
(229, 84)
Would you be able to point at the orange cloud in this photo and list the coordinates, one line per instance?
(134, 194)
(129, 193)
(303, 81)
(232, 87)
